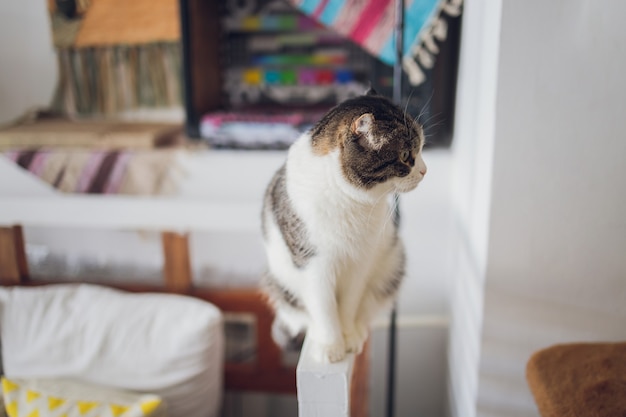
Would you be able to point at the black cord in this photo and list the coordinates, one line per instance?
(397, 66)
(391, 354)
(397, 98)
(391, 365)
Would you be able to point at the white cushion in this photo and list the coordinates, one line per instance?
(165, 344)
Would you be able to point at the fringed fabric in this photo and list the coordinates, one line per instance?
(371, 24)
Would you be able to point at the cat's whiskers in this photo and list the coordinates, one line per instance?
(406, 106)
(390, 213)
(431, 117)
(381, 196)
(431, 128)
(424, 107)
(391, 208)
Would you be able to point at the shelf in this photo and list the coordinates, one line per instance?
(213, 195)
(130, 213)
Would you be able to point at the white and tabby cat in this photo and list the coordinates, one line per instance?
(334, 255)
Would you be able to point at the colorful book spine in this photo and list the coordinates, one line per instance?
(256, 76)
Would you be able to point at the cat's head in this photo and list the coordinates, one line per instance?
(379, 145)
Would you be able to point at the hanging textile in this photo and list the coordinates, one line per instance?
(370, 23)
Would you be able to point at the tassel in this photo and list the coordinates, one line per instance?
(425, 58)
(452, 7)
(430, 44)
(415, 73)
(440, 29)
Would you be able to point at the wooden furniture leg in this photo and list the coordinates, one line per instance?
(177, 265)
(359, 390)
(13, 265)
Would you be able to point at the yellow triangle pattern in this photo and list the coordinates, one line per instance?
(12, 409)
(86, 406)
(54, 403)
(118, 410)
(32, 396)
(149, 406)
(24, 402)
(8, 386)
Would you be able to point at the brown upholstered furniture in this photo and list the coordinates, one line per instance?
(579, 380)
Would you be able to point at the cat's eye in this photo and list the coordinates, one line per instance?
(404, 156)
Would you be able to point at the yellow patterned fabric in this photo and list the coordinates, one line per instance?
(62, 398)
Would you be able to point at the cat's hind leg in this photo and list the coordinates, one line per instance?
(290, 316)
(289, 327)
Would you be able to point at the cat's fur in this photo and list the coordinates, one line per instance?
(334, 254)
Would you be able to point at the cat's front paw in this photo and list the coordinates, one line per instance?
(354, 342)
(329, 352)
(355, 338)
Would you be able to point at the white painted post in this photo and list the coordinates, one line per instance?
(323, 389)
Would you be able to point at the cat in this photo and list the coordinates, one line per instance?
(335, 258)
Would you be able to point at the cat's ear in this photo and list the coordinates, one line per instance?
(362, 127)
(371, 92)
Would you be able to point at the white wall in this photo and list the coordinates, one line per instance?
(554, 268)
(471, 194)
(28, 69)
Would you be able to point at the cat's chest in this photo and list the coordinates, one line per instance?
(337, 216)
(335, 222)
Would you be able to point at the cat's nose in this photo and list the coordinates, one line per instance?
(421, 166)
